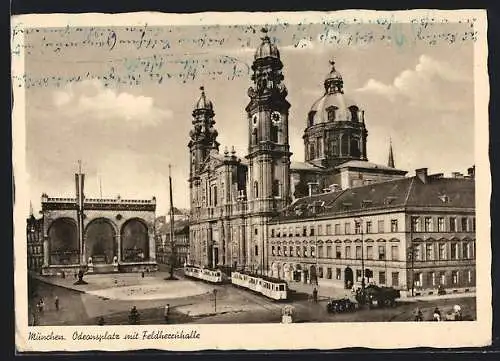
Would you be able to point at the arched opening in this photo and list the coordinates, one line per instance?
(344, 145)
(313, 276)
(348, 277)
(355, 148)
(134, 241)
(63, 242)
(256, 189)
(354, 110)
(274, 133)
(100, 238)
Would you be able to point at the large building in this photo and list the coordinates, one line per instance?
(34, 238)
(180, 244)
(237, 202)
(101, 235)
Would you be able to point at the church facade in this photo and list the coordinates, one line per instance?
(233, 199)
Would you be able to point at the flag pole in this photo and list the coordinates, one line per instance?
(172, 239)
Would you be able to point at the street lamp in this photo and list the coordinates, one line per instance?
(215, 300)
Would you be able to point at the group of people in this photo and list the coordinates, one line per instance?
(40, 308)
(456, 315)
(134, 316)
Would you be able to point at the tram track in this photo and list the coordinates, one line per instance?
(267, 305)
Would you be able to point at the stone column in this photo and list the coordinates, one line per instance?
(119, 247)
(152, 247)
(46, 255)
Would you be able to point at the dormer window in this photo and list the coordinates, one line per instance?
(330, 111)
(310, 120)
(366, 203)
(444, 198)
(354, 113)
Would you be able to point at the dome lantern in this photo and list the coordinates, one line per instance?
(266, 49)
(203, 103)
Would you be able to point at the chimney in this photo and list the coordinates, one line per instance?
(471, 172)
(421, 173)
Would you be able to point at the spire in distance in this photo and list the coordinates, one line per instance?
(390, 162)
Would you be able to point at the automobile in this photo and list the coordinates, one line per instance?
(340, 305)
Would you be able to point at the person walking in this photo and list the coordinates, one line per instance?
(166, 312)
(315, 295)
(56, 303)
(418, 315)
(437, 315)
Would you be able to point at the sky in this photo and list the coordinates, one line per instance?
(126, 125)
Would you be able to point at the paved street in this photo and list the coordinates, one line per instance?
(231, 305)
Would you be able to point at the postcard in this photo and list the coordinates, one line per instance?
(251, 181)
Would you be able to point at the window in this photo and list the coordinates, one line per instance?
(285, 250)
(256, 231)
(381, 253)
(320, 251)
(454, 277)
(453, 224)
(442, 278)
(441, 224)
(256, 189)
(311, 231)
(304, 231)
(279, 251)
(454, 251)
(473, 224)
(395, 279)
(416, 279)
(347, 252)
(415, 224)
(338, 253)
(394, 225)
(273, 252)
(329, 251)
(297, 251)
(312, 251)
(329, 273)
(304, 251)
(278, 232)
(369, 252)
(272, 232)
(357, 227)
(469, 276)
(358, 252)
(381, 278)
(428, 224)
(328, 229)
(290, 232)
(256, 250)
(381, 226)
(465, 227)
(394, 253)
(442, 251)
(331, 114)
(358, 275)
(320, 230)
(368, 227)
(338, 274)
(320, 272)
(297, 231)
(347, 228)
(432, 279)
(466, 251)
(417, 255)
(337, 228)
(429, 256)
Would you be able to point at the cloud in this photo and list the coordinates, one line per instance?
(92, 100)
(432, 84)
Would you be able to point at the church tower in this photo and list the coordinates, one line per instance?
(203, 139)
(390, 161)
(268, 144)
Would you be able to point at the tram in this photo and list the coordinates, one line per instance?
(269, 287)
(204, 274)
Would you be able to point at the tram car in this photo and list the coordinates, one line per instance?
(272, 288)
(204, 274)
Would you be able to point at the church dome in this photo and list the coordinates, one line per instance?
(266, 49)
(333, 105)
(203, 102)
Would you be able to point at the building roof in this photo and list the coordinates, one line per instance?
(405, 192)
(304, 166)
(363, 164)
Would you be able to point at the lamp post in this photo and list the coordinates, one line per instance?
(360, 223)
(215, 300)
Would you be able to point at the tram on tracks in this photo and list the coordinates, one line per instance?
(204, 274)
(269, 287)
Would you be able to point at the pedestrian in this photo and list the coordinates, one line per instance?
(457, 310)
(315, 295)
(56, 303)
(166, 312)
(35, 318)
(418, 315)
(100, 321)
(437, 315)
(142, 274)
(133, 317)
(41, 305)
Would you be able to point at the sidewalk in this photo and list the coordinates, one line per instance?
(437, 297)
